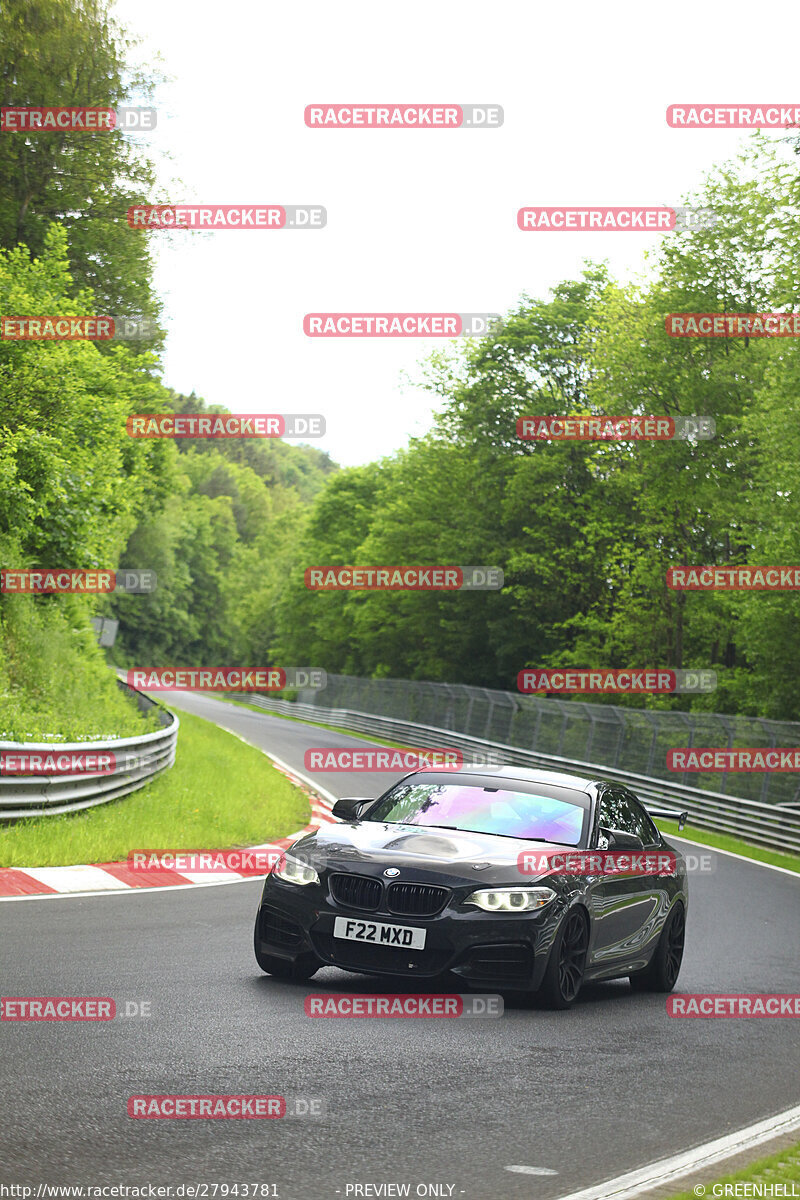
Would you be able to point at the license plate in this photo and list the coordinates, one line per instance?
(401, 937)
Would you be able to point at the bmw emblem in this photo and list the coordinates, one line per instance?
(391, 872)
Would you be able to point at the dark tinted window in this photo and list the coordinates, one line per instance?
(645, 827)
(620, 810)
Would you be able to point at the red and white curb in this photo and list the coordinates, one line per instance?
(19, 883)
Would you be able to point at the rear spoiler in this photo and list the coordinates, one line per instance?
(669, 814)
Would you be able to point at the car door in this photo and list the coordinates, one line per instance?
(656, 886)
(625, 905)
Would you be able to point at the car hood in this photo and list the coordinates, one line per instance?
(456, 855)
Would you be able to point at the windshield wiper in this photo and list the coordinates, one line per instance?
(488, 832)
(412, 825)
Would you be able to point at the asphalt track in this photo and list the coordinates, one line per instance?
(588, 1094)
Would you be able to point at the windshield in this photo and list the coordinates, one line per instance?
(480, 809)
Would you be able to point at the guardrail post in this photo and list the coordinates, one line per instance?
(765, 782)
(690, 725)
(590, 739)
(450, 723)
(620, 734)
(539, 710)
(651, 753)
(490, 714)
(562, 704)
(723, 783)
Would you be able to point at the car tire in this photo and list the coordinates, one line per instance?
(566, 965)
(661, 973)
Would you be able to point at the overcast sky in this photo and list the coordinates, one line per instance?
(417, 220)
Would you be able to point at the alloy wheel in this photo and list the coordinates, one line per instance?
(674, 949)
(572, 957)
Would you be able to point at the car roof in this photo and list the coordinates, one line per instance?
(524, 774)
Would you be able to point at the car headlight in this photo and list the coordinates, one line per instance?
(512, 899)
(292, 870)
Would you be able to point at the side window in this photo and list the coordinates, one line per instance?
(614, 812)
(644, 826)
(621, 810)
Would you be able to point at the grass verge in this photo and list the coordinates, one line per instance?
(54, 682)
(783, 1167)
(220, 793)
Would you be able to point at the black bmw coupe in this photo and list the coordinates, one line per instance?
(507, 877)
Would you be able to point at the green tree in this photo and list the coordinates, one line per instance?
(69, 53)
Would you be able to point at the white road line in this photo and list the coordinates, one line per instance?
(532, 1170)
(756, 862)
(668, 1170)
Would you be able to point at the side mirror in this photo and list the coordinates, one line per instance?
(350, 809)
(617, 839)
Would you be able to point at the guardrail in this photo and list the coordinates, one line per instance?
(773, 825)
(620, 736)
(47, 795)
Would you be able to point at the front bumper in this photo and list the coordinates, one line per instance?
(296, 923)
